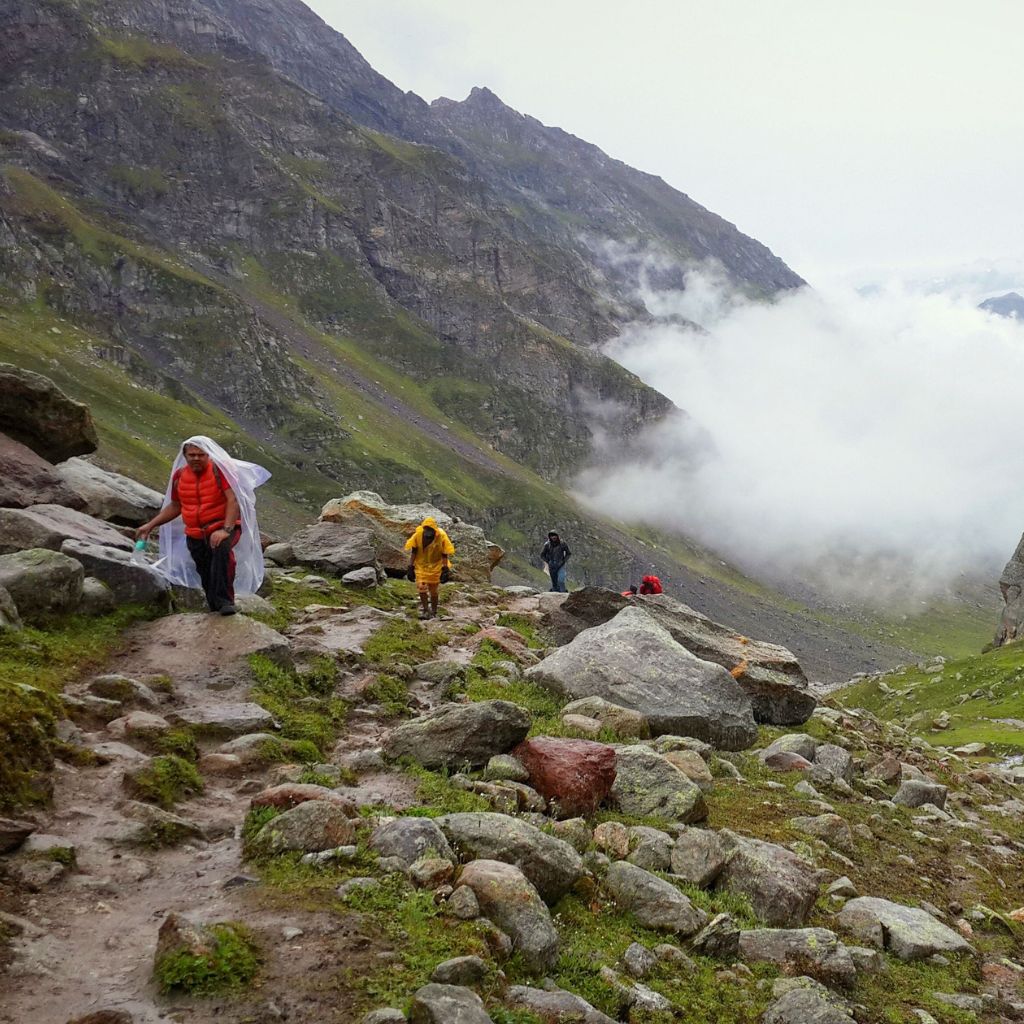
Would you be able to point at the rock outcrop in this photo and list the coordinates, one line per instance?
(632, 661)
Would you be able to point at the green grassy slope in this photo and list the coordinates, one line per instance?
(983, 696)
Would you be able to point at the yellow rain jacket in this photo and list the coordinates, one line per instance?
(429, 560)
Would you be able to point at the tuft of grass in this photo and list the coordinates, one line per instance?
(391, 693)
(280, 751)
(402, 640)
(179, 743)
(35, 664)
(255, 819)
(439, 796)
(165, 780)
(231, 961)
(302, 702)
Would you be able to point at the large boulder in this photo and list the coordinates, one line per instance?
(550, 864)
(130, 582)
(909, 933)
(48, 526)
(574, 776)
(10, 618)
(634, 662)
(41, 582)
(409, 839)
(648, 785)
(28, 479)
(654, 902)
(34, 411)
(458, 734)
(392, 525)
(814, 951)
(321, 630)
(698, 856)
(447, 1004)
(781, 886)
(311, 826)
(768, 673)
(918, 792)
(223, 719)
(333, 548)
(108, 495)
(554, 1006)
(508, 899)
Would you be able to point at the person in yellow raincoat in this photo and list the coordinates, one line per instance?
(429, 552)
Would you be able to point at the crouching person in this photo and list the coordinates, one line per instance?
(209, 537)
(430, 551)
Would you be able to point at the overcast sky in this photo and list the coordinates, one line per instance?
(882, 134)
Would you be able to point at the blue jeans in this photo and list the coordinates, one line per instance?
(558, 581)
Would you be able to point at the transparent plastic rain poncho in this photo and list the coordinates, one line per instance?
(243, 477)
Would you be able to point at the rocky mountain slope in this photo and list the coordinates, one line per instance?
(1011, 304)
(325, 810)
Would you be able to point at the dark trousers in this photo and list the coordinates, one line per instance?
(216, 568)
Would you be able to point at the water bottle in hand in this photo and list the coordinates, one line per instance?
(139, 552)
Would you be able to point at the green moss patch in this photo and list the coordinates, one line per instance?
(402, 640)
(390, 693)
(232, 961)
(302, 702)
(165, 780)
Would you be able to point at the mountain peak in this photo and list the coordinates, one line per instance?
(1011, 304)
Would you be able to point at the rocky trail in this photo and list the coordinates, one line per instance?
(533, 808)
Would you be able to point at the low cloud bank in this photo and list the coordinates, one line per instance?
(867, 445)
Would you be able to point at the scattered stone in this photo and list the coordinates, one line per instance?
(574, 776)
(832, 762)
(310, 827)
(842, 887)
(638, 960)
(28, 479)
(698, 856)
(649, 848)
(124, 689)
(720, 938)
(141, 725)
(613, 838)
(13, 833)
(460, 970)
(887, 770)
(291, 794)
(647, 785)
(780, 885)
(463, 904)
(623, 722)
(41, 583)
(458, 734)
(505, 766)
(633, 662)
(575, 831)
(918, 792)
(588, 726)
(440, 672)
(806, 1006)
(105, 1017)
(554, 1006)
(831, 828)
(364, 577)
(787, 761)
(430, 872)
(655, 903)
(224, 719)
(550, 864)
(506, 896)
(814, 951)
(791, 743)
(409, 839)
(907, 932)
(10, 620)
(88, 706)
(693, 766)
(339, 855)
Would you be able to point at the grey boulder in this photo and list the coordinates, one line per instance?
(110, 496)
(806, 1006)
(551, 864)
(909, 933)
(780, 885)
(28, 479)
(130, 582)
(458, 734)
(634, 662)
(698, 856)
(447, 1004)
(48, 526)
(815, 951)
(41, 582)
(508, 899)
(654, 902)
(409, 839)
(310, 827)
(648, 785)
(224, 719)
(918, 792)
(333, 548)
(551, 1005)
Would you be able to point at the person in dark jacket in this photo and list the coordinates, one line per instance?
(555, 554)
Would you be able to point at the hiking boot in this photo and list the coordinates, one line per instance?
(228, 609)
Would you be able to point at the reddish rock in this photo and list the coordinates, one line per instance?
(507, 640)
(787, 761)
(573, 775)
(291, 794)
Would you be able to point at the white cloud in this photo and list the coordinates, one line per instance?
(867, 443)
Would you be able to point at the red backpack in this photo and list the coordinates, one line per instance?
(650, 585)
